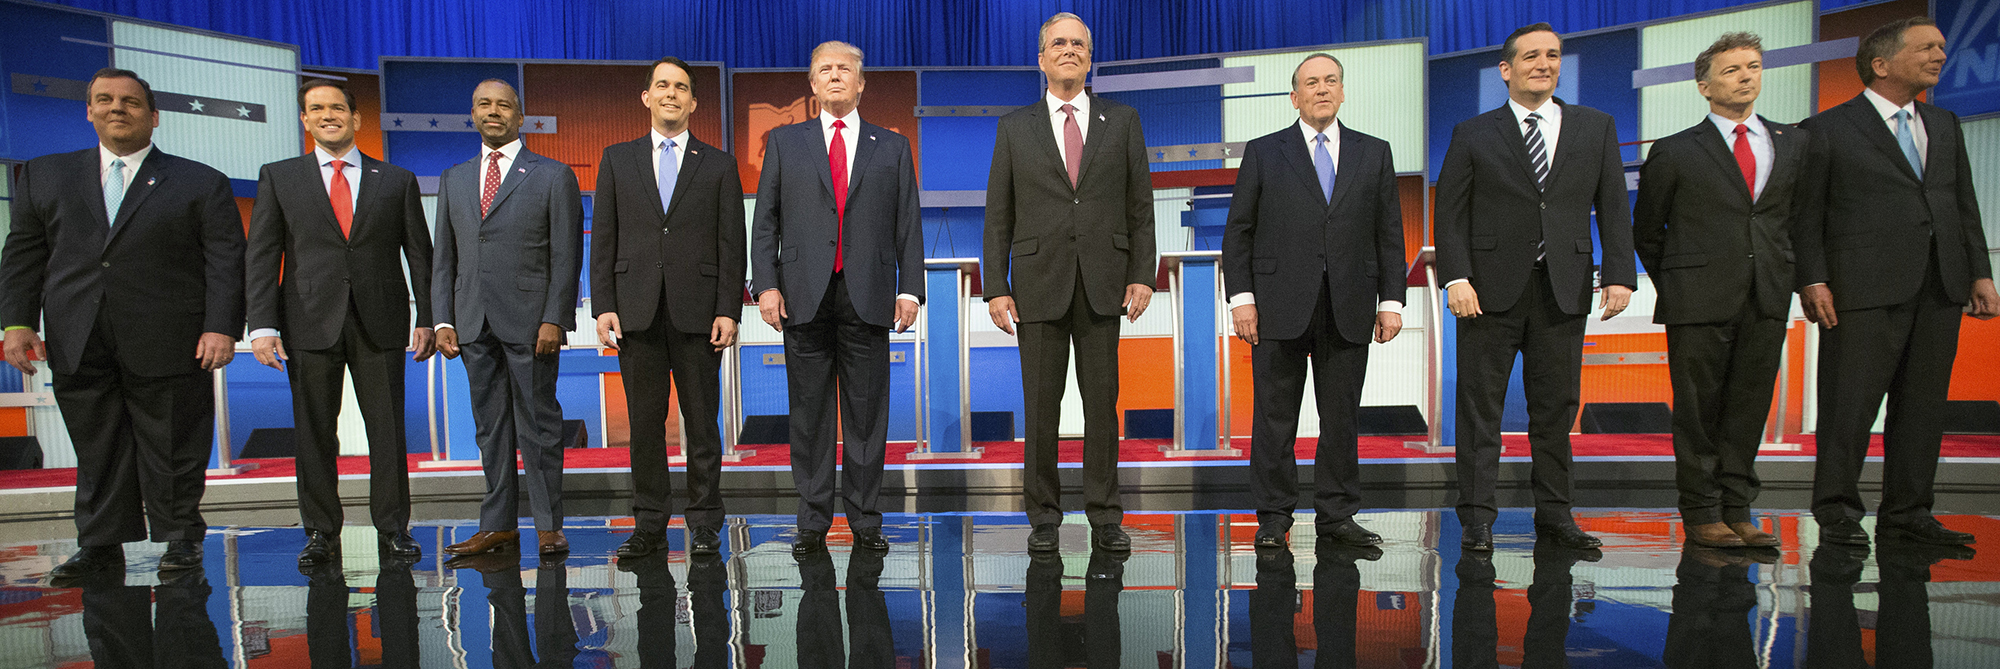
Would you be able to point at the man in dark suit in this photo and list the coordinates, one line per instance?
(1890, 252)
(1713, 226)
(337, 225)
(849, 285)
(1069, 203)
(1513, 219)
(1315, 230)
(138, 257)
(509, 249)
(666, 277)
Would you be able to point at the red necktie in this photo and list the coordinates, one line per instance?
(1746, 161)
(492, 183)
(342, 199)
(1072, 144)
(836, 160)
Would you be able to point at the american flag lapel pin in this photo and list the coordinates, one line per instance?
(871, 138)
(151, 181)
(1100, 117)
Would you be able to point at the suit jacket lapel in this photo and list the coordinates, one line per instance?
(95, 174)
(143, 182)
(812, 139)
(642, 161)
(1046, 140)
(1872, 126)
(1717, 148)
(1781, 145)
(1101, 126)
(687, 167)
(524, 163)
(864, 149)
(1510, 134)
(1298, 151)
(1938, 129)
(1350, 153)
(309, 176)
(1565, 151)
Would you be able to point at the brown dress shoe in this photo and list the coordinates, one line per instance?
(485, 542)
(553, 542)
(1714, 535)
(1754, 537)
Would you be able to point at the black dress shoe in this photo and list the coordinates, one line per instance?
(871, 539)
(641, 544)
(1477, 537)
(1568, 536)
(1270, 538)
(90, 560)
(1044, 538)
(1844, 531)
(809, 543)
(1328, 548)
(184, 554)
(1110, 537)
(1923, 531)
(1350, 533)
(704, 541)
(399, 544)
(320, 547)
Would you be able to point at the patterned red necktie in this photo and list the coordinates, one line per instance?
(342, 199)
(492, 183)
(836, 160)
(1746, 161)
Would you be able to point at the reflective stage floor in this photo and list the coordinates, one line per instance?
(959, 590)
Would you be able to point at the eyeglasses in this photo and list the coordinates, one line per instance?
(1067, 44)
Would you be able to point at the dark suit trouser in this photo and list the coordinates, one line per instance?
(1723, 374)
(1336, 590)
(327, 642)
(1903, 351)
(657, 629)
(142, 447)
(1338, 368)
(838, 349)
(125, 629)
(646, 359)
(1475, 632)
(317, 380)
(818, 632)
(514, 409)
(871, 642)
(555, 630)
(1833, 630)
(1550, 599)
(1044, 351)
(1710, 626)
(1551, 346)
(396, 617)
(1274, 606)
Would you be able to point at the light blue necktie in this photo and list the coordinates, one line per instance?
(114, 190)
(1323, 164)
(1908, 141)
(670, 170)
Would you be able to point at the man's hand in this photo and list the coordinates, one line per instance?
(721, 335)
(1985, 300)
(447, 342)
(1818, 302)
(1463, 300)
(423, 343)
(771, 306)
(549, 339)
(270, 352)
(906, 314)
(215, 350)
(1137, 296)
(1616, 298)
(20, 344)
(608, 332)
(1245, 318)
(1003, 313)
(1387, 325)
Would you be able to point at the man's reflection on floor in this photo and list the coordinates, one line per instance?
(555, 631)
(1903, 609)
(1713, 598)
(1274, 605)
(1474, 627)
(328, 619)
(126, 630)
(659, 636)
(1097, 640)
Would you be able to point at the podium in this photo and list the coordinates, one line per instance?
(944, 389)
(1200, 367)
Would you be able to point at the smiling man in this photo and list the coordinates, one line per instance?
(328, 237)
(503, 289)
(1514, 204)
(666, 279)
(132, 261)
(1890, 252)
(1713, 225)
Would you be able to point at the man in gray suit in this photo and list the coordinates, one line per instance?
(509, 247)
(1069, 202)
(838, 253)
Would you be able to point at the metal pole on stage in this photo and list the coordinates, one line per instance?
(222, 438)
(1433, 356)
(1172, 262)
(438, 399)
(1774, 427)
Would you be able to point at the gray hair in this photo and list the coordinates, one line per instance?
(1725, 44)
(839, 47)
(1042, 38)
(1322, 54)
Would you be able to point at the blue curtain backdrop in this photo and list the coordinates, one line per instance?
(781, 33)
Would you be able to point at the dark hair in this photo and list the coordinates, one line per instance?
(1884, 43)
(324, 83)
(152, 104)
(1727, 43)
(503, 82)
(676, 62)
(1507, 49)
(1322, 54)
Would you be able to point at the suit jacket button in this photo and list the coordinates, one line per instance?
(1076, 201)
(831, 243)
(107, 264)
(658, 265)
(1545, 205)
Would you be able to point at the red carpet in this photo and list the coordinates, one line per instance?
(1009, 452)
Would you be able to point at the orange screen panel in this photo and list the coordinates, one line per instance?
(765, 101)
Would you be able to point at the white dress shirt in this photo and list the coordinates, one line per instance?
(1760, 146)
(680, 153)
(1057, 118)
(1917, 131)
(353, 171)
(506, 160)
(1332, 150)
(131, 170)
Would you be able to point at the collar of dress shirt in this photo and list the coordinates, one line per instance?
(1886, 108)
(1728, 127)
(1550, 111)
(680, 140)
(352, 158)
(1332, 137)
(132, 162)
(1082, 103)
(826, 119)
(511, 151)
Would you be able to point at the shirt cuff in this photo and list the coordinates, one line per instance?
(261, 333)
(1454, 282)
(12, 328)
(1242, 299)
(1390, 305)
(443, 326)
(912, 298)
(1822, 283)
